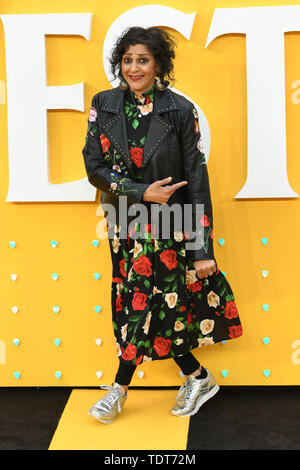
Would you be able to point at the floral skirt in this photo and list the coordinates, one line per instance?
(160, 308)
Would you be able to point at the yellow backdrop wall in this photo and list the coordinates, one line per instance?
(215, 78)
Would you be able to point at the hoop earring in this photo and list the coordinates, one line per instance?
(123, 85)
(161, 86)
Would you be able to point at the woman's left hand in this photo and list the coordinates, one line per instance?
(205, 267)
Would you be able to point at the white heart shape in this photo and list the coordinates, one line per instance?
(140, 374)
(98, 341)
(13, 276)
(16, 341)
(99, 374)
(14, 309)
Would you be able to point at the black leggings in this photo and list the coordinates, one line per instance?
(188, 364)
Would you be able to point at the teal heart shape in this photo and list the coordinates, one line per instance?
(223, 272)
(97, 308)
(17, 375)
(54, 276)
(97, 276)
(224, 373)
(266, 340)
(267, 373)
(16, 341)
(265, 307)
(224, 341)
(58, 374)
(56, 309)
(95, 242)
(265, 273)
(221, 241)
(264, 240)
(12, 244)
(57, 341)
(53, 243)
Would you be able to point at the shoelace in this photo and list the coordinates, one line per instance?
(186, 388)
(113, 395)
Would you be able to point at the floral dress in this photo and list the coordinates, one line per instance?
(160, 308)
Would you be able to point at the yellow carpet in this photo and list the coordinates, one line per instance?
(145, 422)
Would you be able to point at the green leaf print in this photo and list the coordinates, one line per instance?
(140, 343)
(170, 278)
(135, 317)
(142, 140)
(147, 283)
(135, 123)
(181, 266)
(168, 333)
(162, 315)
(147, 343)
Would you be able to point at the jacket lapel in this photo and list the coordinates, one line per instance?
(114, 125)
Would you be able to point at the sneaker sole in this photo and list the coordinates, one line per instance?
(199, 403)
(102, 420)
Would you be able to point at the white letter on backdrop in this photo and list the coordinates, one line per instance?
(29, 97)
(264, 28)
(155, 15)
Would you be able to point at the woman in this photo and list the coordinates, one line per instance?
(168, 295)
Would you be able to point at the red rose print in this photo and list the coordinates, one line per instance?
(104, 142)
(182, 308)
(231, 310)
(211, 235)
(235, 331)
(122, 267)
(136, 154)
(148, 100)
(162, 346)
(139, 301)
(195, 286)
(130, 352)
(119, 303)
(143, 266)
(138, 360)
(189, 318)
(118, 280)
(168, 257)
(204, 220)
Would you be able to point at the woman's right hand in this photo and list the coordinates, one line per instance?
(156, 192)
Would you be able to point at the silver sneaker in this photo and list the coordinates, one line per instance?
(193, 393)
(106, 409)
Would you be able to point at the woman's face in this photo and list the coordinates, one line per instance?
(139, 68)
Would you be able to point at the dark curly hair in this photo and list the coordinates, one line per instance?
(160, 43)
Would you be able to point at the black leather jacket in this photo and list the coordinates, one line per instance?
(172, 148)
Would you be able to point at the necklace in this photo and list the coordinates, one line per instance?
(139, 112)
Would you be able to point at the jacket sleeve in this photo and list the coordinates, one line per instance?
(101, 171)
(197, 191)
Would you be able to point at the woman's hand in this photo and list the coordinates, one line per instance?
(161, 194)
(205, 267)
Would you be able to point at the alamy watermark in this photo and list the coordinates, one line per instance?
(162, 221)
